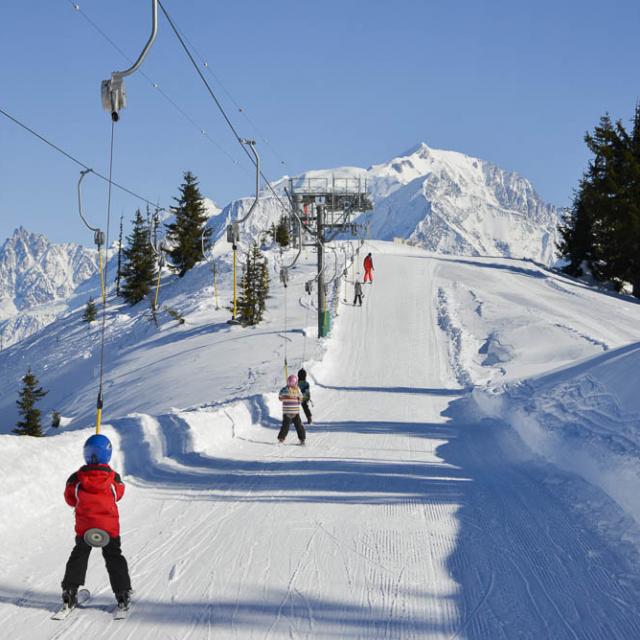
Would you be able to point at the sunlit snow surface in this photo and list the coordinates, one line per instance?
(417, 509)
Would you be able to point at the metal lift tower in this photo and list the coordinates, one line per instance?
(327, 207)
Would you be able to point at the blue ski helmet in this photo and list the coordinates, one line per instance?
(97, 450)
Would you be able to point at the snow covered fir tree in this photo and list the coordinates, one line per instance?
(601, 233)
(90, 311)
(185, 234)
(56, 419)
(139, 268)
(282, 232)
(254, 287)
(30, 394)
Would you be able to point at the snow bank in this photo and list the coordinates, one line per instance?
(584, 419)
(152, 446)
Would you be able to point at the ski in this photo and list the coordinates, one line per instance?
(64, 611)
(120, 612)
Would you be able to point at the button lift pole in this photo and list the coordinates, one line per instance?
(113, 99)
(233, 230)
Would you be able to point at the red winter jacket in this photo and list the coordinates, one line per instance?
(368, 263)
(94, 490)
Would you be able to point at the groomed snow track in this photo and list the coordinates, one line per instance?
(401, 518)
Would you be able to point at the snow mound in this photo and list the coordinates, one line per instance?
(585, 419)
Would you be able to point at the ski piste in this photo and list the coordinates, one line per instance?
(398, 487)
(65, 611)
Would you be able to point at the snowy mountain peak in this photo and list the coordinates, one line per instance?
(449, 202)
(444, 201)
(36, 272)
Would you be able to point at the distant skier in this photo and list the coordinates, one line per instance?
(93, 491)
(291, 399)
(357, 290)
(305, 389)
(368, 269)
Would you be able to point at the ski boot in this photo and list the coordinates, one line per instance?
(70, 597)
(124, 599)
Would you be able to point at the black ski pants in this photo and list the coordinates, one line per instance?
(358, 298)
(76, 571)
(297, 423)
(307, 411)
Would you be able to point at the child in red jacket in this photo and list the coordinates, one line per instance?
(93, 491)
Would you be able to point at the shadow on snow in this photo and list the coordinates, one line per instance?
(275, 610)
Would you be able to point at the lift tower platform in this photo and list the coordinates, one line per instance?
(327, 207)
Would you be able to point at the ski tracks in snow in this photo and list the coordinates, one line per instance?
(399, 519)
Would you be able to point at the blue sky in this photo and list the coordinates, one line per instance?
(329, 83)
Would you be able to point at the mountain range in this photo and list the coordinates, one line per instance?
(443, 201)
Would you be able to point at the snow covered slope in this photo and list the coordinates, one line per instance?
(65, 354)
(585, 419)
(37, 278)
(404, 516)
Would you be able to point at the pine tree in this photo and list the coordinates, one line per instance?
(90, 311)
(139, 269)
(185, 234)
(28, 396)
(119, 269)
(56, 418)
(631, 197)
(602, 201)
(282, 232)
(601, 234)
(254, 287)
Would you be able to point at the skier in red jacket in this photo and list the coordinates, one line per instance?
(93, 491)
(368, 269)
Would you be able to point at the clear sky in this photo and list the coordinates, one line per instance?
(329, 83)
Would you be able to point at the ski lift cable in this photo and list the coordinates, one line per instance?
(286, 326)
(300, 226)
(252, 145)
(233, 230)
(337, 272)
(156, 86)
(217, 102)
(98, 235)
(83, 173)
(74, 159)
(240, 109)
(212, 262)
(178, 108)
(306, 332)
(99, 403)
(158, 251)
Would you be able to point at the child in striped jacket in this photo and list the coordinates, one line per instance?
(291, 398)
